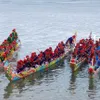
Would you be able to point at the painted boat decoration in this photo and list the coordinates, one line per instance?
(14, 76)
(93, 72)
(11, 54)
(75, 65)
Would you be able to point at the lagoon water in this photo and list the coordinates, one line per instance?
(44, 23)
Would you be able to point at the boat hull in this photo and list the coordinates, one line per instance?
(75, 66)
(16, 76)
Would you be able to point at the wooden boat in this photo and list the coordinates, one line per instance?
(75, 65)
(14, 76)
(12, 53)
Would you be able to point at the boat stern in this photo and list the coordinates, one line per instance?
(91, 70)
(73, 66)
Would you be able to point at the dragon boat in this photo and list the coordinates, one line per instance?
(12, 75)
(80, 54)
(11, 54)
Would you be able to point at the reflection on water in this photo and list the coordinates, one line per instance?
(92, 88)
(44, 76)
(39, 84)
(73, 82)
(91, 84)
(72, 86)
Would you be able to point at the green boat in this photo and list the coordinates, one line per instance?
(76, 65)
(11, 54)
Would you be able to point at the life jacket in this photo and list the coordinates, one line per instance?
(19, 64)
(40, 55)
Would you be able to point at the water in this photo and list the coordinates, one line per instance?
(43, 23)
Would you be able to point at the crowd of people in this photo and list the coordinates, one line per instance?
(95, 57)
(43, 57)
(35, 60)
(88, 49)
(83, 49)
(8, 45)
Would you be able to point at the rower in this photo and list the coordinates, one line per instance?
(34, 59)
(28, 64)
(61, 47)
(71, 40)
(40, 58)
(56, 52)
(9, 39)
(20, 64)
(47, 55)
(14, 34)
